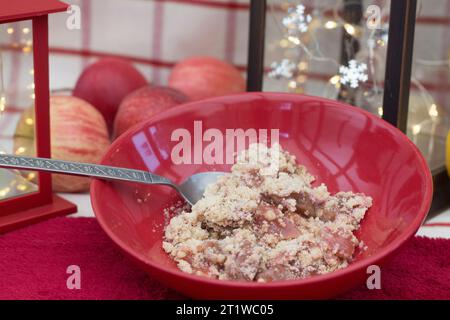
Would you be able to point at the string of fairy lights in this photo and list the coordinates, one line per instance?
(360, 77)
(299, 36)
(17, 39)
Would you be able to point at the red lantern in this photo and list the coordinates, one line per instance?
(38, 203)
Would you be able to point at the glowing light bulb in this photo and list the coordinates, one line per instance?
(303, 65)
(2, 103)
(21, 187)
(433, 112)
(294, 40)
(301, 79)
(350, 29)
(330, 24)
(380, 111)
(381, 42)
(292, 84)
(284, 43)
(336, 81)
(416, 129)
(4, 192)
(10, 30)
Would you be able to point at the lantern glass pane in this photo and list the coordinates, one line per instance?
(429, 102)
(17, 112)
(327, 48)
(337, 50)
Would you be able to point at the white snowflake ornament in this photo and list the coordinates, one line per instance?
(353, 74)
(296, 20)
(283, 69)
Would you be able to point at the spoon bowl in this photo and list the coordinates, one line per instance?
(194, 187)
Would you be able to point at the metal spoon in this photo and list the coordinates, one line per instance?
(191, 190)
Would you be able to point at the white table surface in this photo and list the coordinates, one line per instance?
(436, 227)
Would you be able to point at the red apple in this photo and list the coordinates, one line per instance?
(143, 103)
(105, 83)
(78, 133)
(204, 77)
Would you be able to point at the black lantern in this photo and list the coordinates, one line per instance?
(396, 30)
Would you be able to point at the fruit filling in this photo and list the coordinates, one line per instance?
(265, 221)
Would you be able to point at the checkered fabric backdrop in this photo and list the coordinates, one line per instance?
(155, 34)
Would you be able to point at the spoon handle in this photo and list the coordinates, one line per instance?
(81, 169)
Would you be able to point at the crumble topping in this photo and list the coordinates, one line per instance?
(264, 223)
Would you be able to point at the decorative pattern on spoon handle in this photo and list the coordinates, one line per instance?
(81, 169)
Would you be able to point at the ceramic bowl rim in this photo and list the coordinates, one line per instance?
(353, 267)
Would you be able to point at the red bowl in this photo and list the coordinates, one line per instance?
(343, 146)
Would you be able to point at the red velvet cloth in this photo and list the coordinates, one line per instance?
(33, 263)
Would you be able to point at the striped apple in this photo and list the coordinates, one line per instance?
(205, 77)
(78, 133)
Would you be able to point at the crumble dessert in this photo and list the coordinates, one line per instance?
(260, 223)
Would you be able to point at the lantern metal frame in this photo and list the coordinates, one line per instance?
(42, 204)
